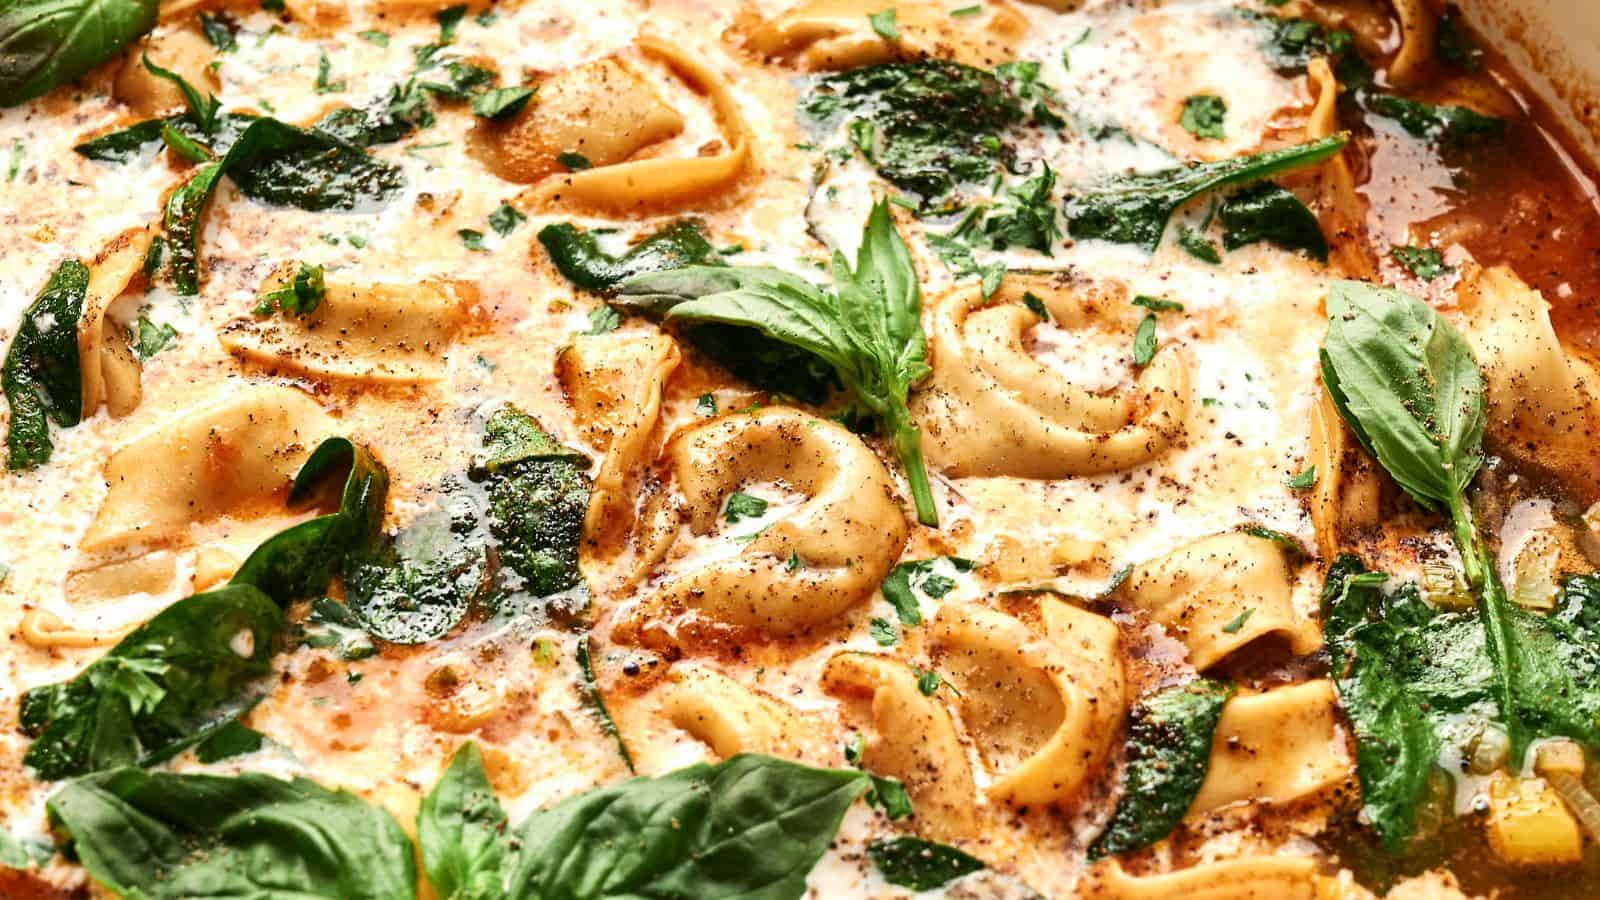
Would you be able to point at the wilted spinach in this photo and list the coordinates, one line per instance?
(1133, 209)
(921, 865)
(578, 257)
(1268, 212)
(42, 376)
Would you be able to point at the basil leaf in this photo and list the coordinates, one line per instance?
(911, 862)
(1405, 381)
(578, 257)
(1267, 212)
(186, 837)
(461, 828)
(868, 329)
(168, 685)
(1133, 209)
(1169, 749)
(42, 376)
(46, 43)
(300, 560)
(748, 827)
(229, 741)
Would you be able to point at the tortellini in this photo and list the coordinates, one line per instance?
(836, 34)
(801, 571)
(1275, 747)
(1220, 593)
(608, 113)
(992, 408)
(614, 384)
(374, 333)
(1544, 402)
(228, 460)
(729, 717)
(1245, 878)
(214, 480)
(913, 739)
(109, 373)
(1043, 711)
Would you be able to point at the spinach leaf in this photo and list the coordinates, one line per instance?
(461, 828)
(911, 862)
(1267, 212)
(1452, 126)
(185, 837)
(1406, 673)
(402, 110)
(1169, 748)
(936, 124)
(168, 685)
(498, 543)
(124, 145)
(41, 376)
(228, 741)
(46, 43)
(868, 328)
(1453, 42)
(1195, 244)
(597, 701)
(1133, 209)
(300, 560)
(748, 827)
(768, 364)
(277, 163)
(578, 257)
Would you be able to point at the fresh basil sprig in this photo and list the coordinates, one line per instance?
(183, 837)
(868, 327)
(46, 43)
(1405, 382)
(750, 826)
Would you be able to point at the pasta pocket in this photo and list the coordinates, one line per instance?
(227, 460)
(1349, 490)
(614, 383)
(1275, 747)
(109, 373)
(993, 408)
(823, 35)
(802, 570)
(580, 139)
(913, 739)
(1544, 409)
(363, 332)
(1043, 711)
(729, 717)
(1219, 594)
